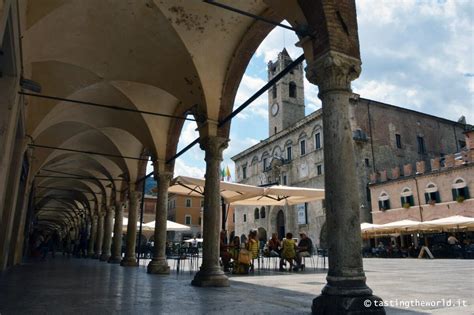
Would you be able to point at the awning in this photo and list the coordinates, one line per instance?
(282, 195)
(190, 186)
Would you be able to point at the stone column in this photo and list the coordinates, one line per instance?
(93, 236)
(346, 291)
(108, 227)
(210, 273)
(130, 258)
(100, 236)
(116, 255)
(158, 264)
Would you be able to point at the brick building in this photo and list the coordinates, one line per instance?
(384, 135)
(427, 191)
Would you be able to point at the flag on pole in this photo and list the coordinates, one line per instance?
(227, 173)
(222, 173)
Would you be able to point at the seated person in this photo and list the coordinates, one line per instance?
(288, 251)
(224, 254)
(252, 246)
(305, 249)
(234, 248)
(274, 246)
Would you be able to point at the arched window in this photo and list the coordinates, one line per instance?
(274, 91)
(262, 212)
(406, 198)
(384, 201)
(460, 190)
(256, 214)
(432, 194)
(292, 89)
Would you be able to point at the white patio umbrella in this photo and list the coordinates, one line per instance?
(398, 226)
(278, 195)
(199, 240)
(170, 226)
(125, 225)
(368, 227)
(456, 221)
(190, 186)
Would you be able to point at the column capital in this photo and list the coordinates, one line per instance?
(333, 71)
(135, 195)
(214, 146)
(164, 176)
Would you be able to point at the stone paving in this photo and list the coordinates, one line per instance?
(78, 286)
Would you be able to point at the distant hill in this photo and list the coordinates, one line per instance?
(149, 185)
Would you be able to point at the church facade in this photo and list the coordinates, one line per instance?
(383, 135)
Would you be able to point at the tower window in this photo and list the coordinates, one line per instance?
(274, 91)
(398, 139)
(245, 218)
(275, 130)
(244, 172)
(288, 153)
(421, 144)
(292, 89)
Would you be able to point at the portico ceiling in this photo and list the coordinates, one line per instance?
(174, 57)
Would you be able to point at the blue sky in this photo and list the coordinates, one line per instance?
(415, 54)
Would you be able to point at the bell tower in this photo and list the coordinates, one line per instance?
(286, 97)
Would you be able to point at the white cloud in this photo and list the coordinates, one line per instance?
(181, 167)
(248, 86)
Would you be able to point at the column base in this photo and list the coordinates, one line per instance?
(158, 267)
(114, 260)
(213, 278)
(104, 257)
(129, 262)
(347, 305)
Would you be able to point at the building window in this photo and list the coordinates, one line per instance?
(245, 218)
(285, 179)
(274, 91)
(275, 130)
(462, 144)
(460, 190)
(244, 172)
(398, 140)
(406, 199)
(384, 201)
(265, 164)
(188, 203)
(319, 169)
(292, 89)
(317, 141)
(233, 217)
(200, 220)
(367, 162)
(288, 153)
(421, 144)
(432, 194)
(202, 203)
(187, 219)
(256, 214)
(303, 147)
(262, 212)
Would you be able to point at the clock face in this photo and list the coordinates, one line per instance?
(275, 109)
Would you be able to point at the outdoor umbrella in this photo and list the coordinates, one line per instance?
(278, 195)
(170, 226)
(456, 221)
(190, 186)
